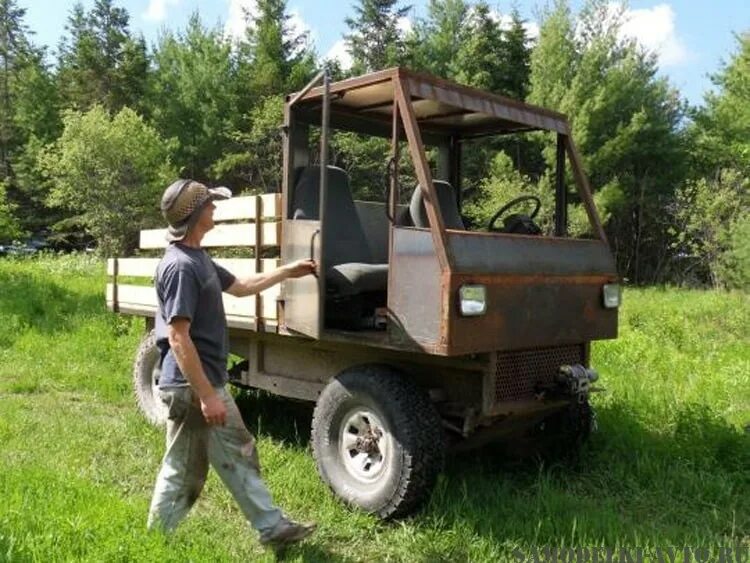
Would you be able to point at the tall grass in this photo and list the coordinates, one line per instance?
(669, 466)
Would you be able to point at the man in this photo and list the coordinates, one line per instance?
(204, 425)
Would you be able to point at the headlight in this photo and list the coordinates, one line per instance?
(472, 300)
(612, 295)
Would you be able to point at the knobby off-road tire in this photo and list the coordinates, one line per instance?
(146, 379)
(378, 408)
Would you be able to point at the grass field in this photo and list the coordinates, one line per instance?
(669, 466)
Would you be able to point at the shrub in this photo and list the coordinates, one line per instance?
(110, 172)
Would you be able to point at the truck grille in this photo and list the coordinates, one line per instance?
(518, 374)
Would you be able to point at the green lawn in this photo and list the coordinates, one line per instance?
(669, 466)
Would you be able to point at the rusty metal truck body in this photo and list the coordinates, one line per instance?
(487, 327)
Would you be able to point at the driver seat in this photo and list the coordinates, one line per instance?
(446, 201)
(351, 269)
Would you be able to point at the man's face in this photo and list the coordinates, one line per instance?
(206, 219)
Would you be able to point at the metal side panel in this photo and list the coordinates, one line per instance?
(530, 312)
(414, 289)
(486, 253)
(302, 304)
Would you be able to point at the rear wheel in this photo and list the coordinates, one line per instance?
(146, 381)
(377, 441)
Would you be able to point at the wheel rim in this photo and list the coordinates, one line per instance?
(365, 445)
(160, 408)
(155, 374)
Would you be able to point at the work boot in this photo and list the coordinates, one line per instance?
(287, 531)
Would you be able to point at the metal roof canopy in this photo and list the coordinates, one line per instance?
(442, 108)
(429, 110)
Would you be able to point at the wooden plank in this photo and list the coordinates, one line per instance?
(241, 234)
(110, 297)
(239, 306)
(144, 296)
(242, 267)
(135, 295)
(246, 207)
(134, 267)
(146, 267)
(268, 302)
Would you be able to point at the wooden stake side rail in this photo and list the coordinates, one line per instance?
(241, 312)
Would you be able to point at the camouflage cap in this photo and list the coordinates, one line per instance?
(182, 202)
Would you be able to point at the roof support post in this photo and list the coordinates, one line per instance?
(324, 138)
(416, 148)
(583, 188)
(561, 193)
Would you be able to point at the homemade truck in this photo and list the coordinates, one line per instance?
(416, 334)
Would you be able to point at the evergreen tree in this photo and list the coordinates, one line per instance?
(625, 122)
(722, 126)
(100, 62)
(436, 41)
(28, 119)
(515, 49)
(274, 58)
(192, 96)
(375, 40)
(13, 49)
(38, 123)
(712, 209)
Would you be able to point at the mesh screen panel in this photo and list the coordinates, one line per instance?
(520, 372)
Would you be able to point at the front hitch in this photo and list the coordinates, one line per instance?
(575, 381)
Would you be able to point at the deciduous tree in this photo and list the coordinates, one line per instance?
(108, 173)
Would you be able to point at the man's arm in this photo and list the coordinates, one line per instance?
(184, 351)
(251, 285)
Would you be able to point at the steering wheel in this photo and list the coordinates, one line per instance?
(513, 203)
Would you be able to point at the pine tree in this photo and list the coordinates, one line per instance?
(436, 41)
(272, 60)
(625, 121)
(192, 97)
(375, 41)
(100, 62)
(13, 49)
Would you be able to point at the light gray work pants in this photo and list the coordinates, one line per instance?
(191, 444)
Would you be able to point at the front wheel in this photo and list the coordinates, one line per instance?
(146, 381)
(377, 441)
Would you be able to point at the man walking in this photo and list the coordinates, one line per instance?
(204, 425)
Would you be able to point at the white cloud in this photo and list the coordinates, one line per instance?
(157, 9)
(240, 11)
(505, 21)
(298, 26)
(404, 24)
(339, 52)
(237, 17)
(654, 29)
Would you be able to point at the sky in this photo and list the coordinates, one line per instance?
(692, 38)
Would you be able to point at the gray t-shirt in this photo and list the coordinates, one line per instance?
(189, 285)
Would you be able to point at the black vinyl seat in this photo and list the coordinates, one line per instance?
(447, 202)
(350, 269)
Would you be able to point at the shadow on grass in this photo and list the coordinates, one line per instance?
(42, 304)
(309, 553)
(685, 483)
(285, 420)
